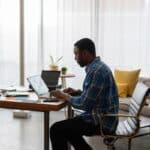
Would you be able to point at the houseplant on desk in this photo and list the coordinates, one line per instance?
(64, 70)
(54, 63)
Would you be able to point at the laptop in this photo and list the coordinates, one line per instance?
(40, 88)
(51, 78)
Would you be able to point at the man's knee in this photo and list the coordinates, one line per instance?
(56, 128)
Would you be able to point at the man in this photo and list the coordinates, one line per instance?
(99, 96)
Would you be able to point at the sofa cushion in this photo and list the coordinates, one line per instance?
(124, 103)
(130, 77)
(145, 80)
(146, 111)
(122, 89)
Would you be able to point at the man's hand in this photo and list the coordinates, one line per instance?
(69, 90)
(72, 91)
(60, 95)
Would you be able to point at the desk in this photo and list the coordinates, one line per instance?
(12, 103)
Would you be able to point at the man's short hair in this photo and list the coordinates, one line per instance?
(86, 44)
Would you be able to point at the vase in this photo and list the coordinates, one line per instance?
(53, 68)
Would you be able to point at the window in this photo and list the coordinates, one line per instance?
(9, 39)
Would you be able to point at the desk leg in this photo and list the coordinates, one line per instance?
(46, 130)
(69, 108)
(69, 115)
(63, 81)
(69, 111)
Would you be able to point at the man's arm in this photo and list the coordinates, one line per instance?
(91, 92)
(72, 92)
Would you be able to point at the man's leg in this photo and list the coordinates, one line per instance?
(71, 130)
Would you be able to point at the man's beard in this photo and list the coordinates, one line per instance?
(82, 64)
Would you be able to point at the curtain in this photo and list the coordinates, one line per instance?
(124, 33)
(65, 22)
(119, 28)
(9, 42)
(32, 37)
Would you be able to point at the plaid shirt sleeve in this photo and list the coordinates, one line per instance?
(92, 87)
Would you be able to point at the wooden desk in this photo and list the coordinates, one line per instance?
(45, 107)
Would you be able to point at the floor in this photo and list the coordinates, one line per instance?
(27, 134)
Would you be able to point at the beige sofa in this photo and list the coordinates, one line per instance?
(125, 101)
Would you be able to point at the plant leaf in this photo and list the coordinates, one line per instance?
(52, 60)
(59, 59)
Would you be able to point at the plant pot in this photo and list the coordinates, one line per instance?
(63, 70)
(53, 68)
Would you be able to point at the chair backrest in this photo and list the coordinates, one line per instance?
(131, 125)
(138, 99)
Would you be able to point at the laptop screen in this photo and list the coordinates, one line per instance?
(50, 77)
(38, 85)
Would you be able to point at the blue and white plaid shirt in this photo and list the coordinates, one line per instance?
(99, 96)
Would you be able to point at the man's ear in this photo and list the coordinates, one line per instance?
(85, 52)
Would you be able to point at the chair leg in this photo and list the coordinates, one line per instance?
(110, 143)
(112, 147)
(129, 144)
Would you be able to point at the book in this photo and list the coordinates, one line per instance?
(17, 94)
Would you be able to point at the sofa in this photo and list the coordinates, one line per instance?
(124, 102)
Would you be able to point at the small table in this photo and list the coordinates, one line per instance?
(63, 79)
(45, 107)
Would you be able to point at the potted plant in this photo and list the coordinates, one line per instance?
(54, 63)
(64, 70)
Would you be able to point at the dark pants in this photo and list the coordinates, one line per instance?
(72, 131)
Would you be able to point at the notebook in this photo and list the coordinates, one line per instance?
(51, 78)
(17, 94)
(40, 88)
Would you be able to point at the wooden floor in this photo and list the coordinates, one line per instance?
(27, 134)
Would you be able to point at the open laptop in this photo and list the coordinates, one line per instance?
(40, 88)
(51, 79)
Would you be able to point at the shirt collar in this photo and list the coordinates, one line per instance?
(89, 66)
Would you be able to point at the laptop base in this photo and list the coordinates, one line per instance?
(21, 114)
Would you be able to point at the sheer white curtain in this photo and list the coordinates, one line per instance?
(124, 34)
(9, 42)
(65, 22)
(32, 37)
(120, 29)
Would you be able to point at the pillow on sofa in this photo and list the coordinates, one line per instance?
(122, 89)
(129, 77)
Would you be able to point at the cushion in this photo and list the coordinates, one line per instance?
(122, 89)
(145, 80)
(146, 111)
(147, 102)
(129, 77)
(124, 103)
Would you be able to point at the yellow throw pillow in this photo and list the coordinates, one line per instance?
(128, 77)
(122, 89)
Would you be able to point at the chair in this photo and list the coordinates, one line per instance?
(131, 127)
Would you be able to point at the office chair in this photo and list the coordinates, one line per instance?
(131, 127)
